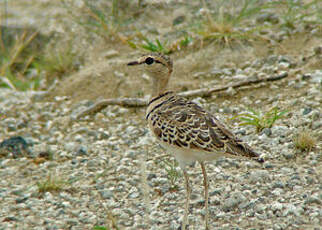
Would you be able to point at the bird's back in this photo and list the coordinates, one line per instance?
(180, 123)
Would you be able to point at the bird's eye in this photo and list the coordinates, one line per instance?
(149, 60)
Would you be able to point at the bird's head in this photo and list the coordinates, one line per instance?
(155, 64)
(158, 67)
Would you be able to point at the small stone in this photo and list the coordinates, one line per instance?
(258, 176)
(151, 176)
(17, 146)
(316, 124)
(199, 74)
(306, 76)
(92, 163)
(110, 54)
(106, 194)
(267, 132)
(318, 50)
(313, 200)
(306, 110)
(260, 208)
(278, 184)
(82, 151)
(288, 154)
(216, 191)
(276, 206)
(283, 65)
(22, 199)
(119, 74)
(268, 165)
(178, 20)
(71, 221)
(134, 195)
(240, 77)
(70, 146)
(230, 91)
(316, 77)
(233, 201)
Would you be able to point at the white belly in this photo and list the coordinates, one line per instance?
(186, 156)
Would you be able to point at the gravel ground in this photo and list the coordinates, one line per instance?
(110, 171)
(106, 169)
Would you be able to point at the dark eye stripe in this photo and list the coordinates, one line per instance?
(157, 61)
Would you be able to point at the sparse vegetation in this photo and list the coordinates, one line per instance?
(294, 12)
(100, 228)
(16, 59)
(52, 183)
(304, 141)
(212, 44)
(260, 120)
(57, 61)
(105, 20)
(155, 47)
(173, 173)
(226, 25)
(25, 60)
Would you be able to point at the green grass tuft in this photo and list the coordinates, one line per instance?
(221, 25)
(16, 61)
(100, 228)
(260, 120)
(51, 184)
(154, 47)
(172, 173)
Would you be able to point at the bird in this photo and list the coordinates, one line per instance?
(185, 129)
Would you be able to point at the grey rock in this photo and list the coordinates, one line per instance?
(306, 111)
(288, 154)
(267, 132)
(82, 151)
(313, 200)
(233, 201)
(316, 124)
(15, 146)
(278, 184)
(92, 164)
(318, 50)
(110, 54)
(178, 20)
(72, 221)
(216, 72)
(259, 176)
(277, 206)
(316, 77)
(21, 199)
(151, 176)
(106, 194)
(260, 208)
(134, 195)
(71, 146)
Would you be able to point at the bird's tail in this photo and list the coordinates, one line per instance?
(240, 148)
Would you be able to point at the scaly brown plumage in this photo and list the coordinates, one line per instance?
(184, 128)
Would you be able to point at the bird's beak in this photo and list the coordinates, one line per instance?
(133, 63)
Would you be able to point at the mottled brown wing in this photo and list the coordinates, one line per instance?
(182, 123)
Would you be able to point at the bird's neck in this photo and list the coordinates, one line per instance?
(159, 85)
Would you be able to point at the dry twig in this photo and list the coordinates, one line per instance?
(204, 92)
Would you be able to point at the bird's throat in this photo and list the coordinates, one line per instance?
(159, 86)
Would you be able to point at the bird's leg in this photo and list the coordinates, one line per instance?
(186, 209)
(205, 183)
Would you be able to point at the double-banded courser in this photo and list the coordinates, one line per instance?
(185, 129)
